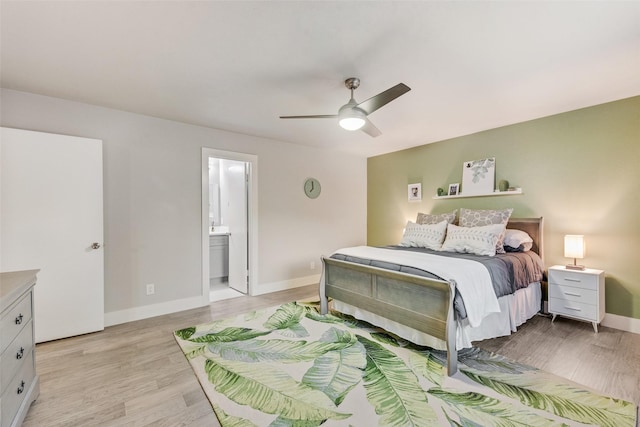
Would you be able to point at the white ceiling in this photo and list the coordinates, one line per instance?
(239, 65)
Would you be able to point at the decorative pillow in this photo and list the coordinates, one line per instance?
(517, 241)
(424, 218)
(479, 217)
(428, 236)
(473, 240)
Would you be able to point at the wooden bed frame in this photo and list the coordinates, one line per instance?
(418, 302)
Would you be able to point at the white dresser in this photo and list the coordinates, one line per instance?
(20, 385)
(578, 294)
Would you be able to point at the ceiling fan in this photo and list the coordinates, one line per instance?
(353, 115)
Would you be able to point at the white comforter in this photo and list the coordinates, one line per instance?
(472, 279)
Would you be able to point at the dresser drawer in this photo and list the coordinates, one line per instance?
(571, 293)
(573, 309)
(573, 278)
(17, 391)
(15, 354)
(14, 320)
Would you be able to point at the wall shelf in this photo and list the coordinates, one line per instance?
(495, 193)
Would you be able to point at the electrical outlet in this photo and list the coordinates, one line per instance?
(312, 265)
(151, 289)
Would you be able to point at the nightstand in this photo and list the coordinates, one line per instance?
(578, 294)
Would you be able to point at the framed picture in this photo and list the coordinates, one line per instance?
(415, 192)
(478, 176)
(453, 189)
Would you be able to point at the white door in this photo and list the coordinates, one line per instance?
(51, 216)
(236, 176)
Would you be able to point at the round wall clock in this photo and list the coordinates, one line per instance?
(312, 188)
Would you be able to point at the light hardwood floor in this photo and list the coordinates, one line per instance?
(136, 375)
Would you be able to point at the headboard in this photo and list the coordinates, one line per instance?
(532, 226)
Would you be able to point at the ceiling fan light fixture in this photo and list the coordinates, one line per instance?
(352, 119)
(353, 115)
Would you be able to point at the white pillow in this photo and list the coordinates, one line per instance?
(428, 236)
(473, 240)
(517, 238)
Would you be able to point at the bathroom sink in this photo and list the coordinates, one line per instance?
(219, 230)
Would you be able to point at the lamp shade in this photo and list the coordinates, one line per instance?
(574, 246)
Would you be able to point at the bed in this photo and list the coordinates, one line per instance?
(422, 308)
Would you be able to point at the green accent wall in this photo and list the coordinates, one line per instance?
(579, 170)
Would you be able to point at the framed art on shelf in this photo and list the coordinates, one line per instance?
(453, 189)
(478, 176)
(415, 192)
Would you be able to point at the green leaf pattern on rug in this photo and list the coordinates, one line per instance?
(269, 390)
(284, 422)
(337, 372)
(312, 314)
(477, 409)
(426, 364)
(393, 389)
(229, 334)
(536, 389)
(476, 358)
(286, 319)
(230, 421)
(283, 351)
(185, 333)
(303, 383)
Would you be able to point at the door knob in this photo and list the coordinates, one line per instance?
(95, 245)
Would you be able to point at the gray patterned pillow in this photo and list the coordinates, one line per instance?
(480, 217)
(424, 218)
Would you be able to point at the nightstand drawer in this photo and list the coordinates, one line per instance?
(573, 309)
(573, 278)
(571, 293)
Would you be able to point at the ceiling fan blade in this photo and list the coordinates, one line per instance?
(370, 129)
(383, 98)
(317, 116)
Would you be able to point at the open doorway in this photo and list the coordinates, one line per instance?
(229, 216)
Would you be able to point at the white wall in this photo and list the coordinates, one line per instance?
(152, 195)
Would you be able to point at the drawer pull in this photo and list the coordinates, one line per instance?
(572, 294)
(21, 388)
(20, 353)
(573, 308)
(568, 279)
(19, 319)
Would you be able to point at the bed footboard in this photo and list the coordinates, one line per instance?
(418, 302)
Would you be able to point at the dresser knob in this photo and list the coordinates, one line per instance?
(19, 319)
(21, 388)
(20, 353)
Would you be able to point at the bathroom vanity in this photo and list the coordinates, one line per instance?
(219, 255)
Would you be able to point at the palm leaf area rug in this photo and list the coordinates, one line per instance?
(291, 366)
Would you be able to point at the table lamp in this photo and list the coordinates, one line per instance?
(574, 247)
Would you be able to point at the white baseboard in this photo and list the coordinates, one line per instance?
(153, 310)
(267, 288)
(623, 323)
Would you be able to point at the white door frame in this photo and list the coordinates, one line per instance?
(252, 189)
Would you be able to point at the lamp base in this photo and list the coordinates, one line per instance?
(574, 267)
